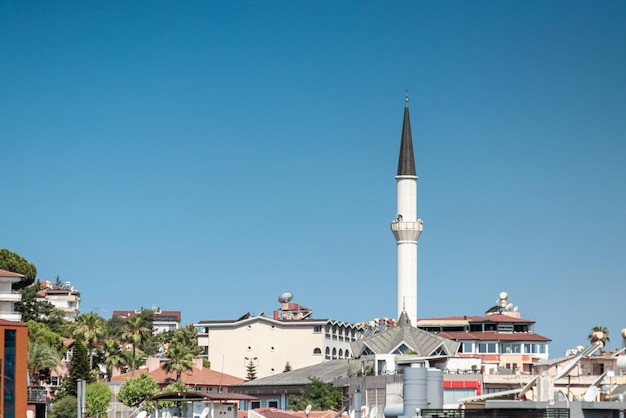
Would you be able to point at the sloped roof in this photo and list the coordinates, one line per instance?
(423, 343)
(472, 319)
(493, 336)
(192, 377)
(9, 275)
(327, 372)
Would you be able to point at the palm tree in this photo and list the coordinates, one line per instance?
(113, 357)
(89, 328)
(599, 335)
(41, 357)
(134, 332)
(179, 360)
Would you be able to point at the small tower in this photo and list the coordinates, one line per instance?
(406, 227)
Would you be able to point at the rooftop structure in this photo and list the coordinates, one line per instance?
(291, 338)
(62, 296)
(500, 338)
(164, 321)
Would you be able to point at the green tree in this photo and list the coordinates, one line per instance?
(134, 332)
(39, 333)
(79, 368)
(135, 390)
(66, 407)
(287, 368)
(15, 263)
(176, 387)
(41, 357)
(179, 360)
(90, 329)
(97, 398)
(251, 370)
(599, 335)
(320, 395)
(187, 336)
(112, 356)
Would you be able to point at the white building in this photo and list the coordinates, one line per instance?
(291, 337)
(62, 296)
(8, 297)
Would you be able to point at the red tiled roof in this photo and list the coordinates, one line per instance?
(11, 324)
(493, 336)
(6, 273)
(475, 318)
(193, 377)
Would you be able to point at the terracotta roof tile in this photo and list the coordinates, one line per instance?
(493, 336)
(193, 377)
(6, 273)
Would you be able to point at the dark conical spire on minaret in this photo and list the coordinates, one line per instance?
(406, 162)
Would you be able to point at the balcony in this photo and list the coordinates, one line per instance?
(10, 297)
(37, 394)
(11, 316)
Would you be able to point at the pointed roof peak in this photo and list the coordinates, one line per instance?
(406, 162)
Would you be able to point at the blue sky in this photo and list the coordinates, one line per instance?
(207, 156)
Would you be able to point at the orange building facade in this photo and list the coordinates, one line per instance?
(14, 369)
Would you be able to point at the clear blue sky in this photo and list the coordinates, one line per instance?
(207, 156)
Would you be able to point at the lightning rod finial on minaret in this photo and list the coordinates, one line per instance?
(406, 98)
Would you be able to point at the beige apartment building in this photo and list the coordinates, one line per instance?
(290, 338)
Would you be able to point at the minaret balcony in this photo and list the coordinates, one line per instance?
(407, 231)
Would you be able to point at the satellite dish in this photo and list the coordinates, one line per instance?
(142, 414)
(504, 295)
(509, 306)
(285, 297)
(205, 412)
(515, 308)
(590, 394)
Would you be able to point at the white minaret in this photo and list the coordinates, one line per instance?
(406, 227)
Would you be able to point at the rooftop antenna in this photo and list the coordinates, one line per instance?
(406, 98)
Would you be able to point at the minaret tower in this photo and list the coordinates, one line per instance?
(406, 227)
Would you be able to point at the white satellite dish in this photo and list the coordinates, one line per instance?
(285, 297)
(142, 414)
(504, 295)
(205, 412)
(515, 308)
(590, 394)
(509, 306)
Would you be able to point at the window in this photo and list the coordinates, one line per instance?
(317, 351)
(487, 348)
(255, 404)
(467, 347)
(272, 404)
(317, 329)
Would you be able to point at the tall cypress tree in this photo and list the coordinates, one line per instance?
(79, 368)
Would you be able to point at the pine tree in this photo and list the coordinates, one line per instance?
(251, 369)
(79, 368)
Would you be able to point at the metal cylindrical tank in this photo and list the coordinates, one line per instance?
(415, 390)
(621, 362)
(434, 391)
